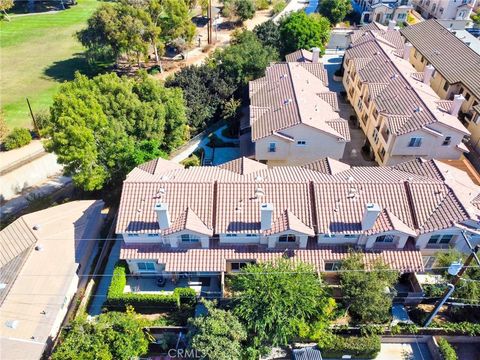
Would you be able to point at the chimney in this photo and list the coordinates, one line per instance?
(407, 49)
(391, 24)
(315, 54)
(266, 212)
(457, 104)
(370, 216)
(428, 73)
(163, 217)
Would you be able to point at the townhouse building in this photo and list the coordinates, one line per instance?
(294, 117)
(400, 114)
(452, 13)
(455, 68)
(207, 221)
(382, 11)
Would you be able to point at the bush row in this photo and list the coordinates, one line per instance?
(446, 350)
(17, 138)
(366, 347)
(460, 328)
(144, 303)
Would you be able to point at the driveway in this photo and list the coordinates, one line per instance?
(352, 155)
(404, 351)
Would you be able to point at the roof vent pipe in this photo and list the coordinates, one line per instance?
(407, 50)
(370, 215)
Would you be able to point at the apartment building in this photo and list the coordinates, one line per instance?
(382, 11)
(455, 66)
(294, 117)
(206, 221)
(400, 114)
(42, 256)
(452, 13)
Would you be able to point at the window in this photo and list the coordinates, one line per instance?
(231, 235)
(332, 265)
(447, 141)
(146, 266)
(251, 235)
(385, 239)
(415, 142)
(446, 86)
(350, 236)
(402, 16)
(301, 143)
(434, 7)
(441, 10)
(152, 235)
(427, 3)
(187, 238)
(133, 235)
(359, 104)
(467, 96)
(236, 266)
(440, 239)
(289, 238)
(272, 147)
(461, 90)
(375, 135)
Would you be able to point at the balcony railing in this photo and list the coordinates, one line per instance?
(438, 246)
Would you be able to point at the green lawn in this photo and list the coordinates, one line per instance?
(37, 53)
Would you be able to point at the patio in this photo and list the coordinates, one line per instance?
(205, 286)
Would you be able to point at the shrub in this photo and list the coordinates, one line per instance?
(192, 160)
(447, 350)
(17, 138)
(118, 300)
(261, 4)
(461, 328)
(278, 6)
(359, 347)
(3, 127)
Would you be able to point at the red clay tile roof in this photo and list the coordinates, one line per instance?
(287, 221)
(326, 196)
(188, 220)
(294, 93)
(215, 258)
(388, 76)
(449, 55)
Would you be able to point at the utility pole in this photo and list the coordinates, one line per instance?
(456, 279)
(33, 118)
(210, 22)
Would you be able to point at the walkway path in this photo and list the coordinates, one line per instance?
(292, 6)
(105, 279)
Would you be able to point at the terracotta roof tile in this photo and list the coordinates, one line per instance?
(288, 221)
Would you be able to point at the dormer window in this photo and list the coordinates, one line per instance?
(187, 238)
(288, 238)
(447, 141)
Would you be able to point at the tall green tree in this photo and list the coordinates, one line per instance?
(301, 31)
(335, 10)
(245, 59)
(469, 287)
(112, 336)
(217, 335)
(365, 289)
(97, 124)
(204, 90)
(175, 21)
(4, 6)
(269, 34)
(273, 299)
(244, 9)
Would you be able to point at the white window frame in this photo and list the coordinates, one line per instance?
(231, 235)
(335, 266)
(415, 142)
(188, 238)
(152, 235)
(133, 235)
(385, 239)
(272, 147)
(287, 239)
(146, 264)
(438, 239)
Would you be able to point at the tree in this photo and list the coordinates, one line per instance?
(230, 108)
(244, 9)
(97, 126)
(301, 31)
(175, 21)
(273, 299)
(3, 126)
(17, 138)
(4, 6)
(466, 289)
(335, 10)
(217, 335)
(204, 90)
(364, 290)
(113, 335)
(245, 59)
(269, 34)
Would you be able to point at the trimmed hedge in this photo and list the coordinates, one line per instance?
(446, 350)
(17, 138)
(366, 347)
(118, 300)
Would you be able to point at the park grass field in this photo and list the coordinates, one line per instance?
(37, 53)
